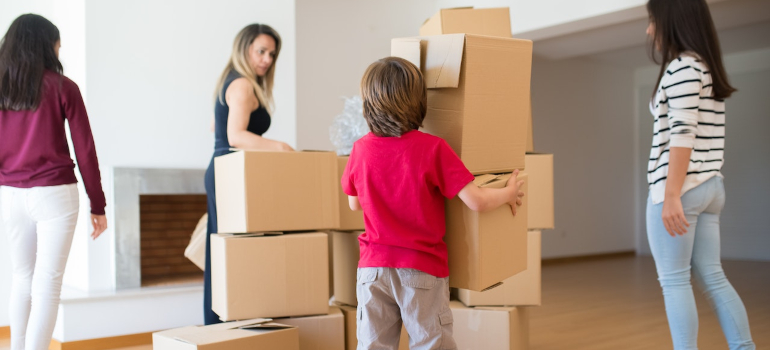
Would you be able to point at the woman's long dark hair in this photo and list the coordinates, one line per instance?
(26, 51)
(686, 25)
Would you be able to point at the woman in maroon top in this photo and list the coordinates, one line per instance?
(38, 192)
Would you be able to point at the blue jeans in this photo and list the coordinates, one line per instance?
(696, 250)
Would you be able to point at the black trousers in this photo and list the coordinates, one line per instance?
(209, 316)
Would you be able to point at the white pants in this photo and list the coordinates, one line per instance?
(39, 223)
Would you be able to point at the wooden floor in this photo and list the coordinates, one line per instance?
(617, 304)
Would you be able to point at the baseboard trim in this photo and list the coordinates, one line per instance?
(104, 343)
(592, 257)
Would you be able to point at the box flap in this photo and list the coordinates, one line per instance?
(211, 334)
(484, 179)
(265, 326)
(432, 25)
(250, 234)
(408, 49)
(491, 180)
(440, 60)
(443, 57)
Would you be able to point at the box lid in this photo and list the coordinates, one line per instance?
(492, 181)
(222, 332)
(441, 57)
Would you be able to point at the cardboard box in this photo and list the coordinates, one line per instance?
(196, 249)
(486, 248)
(349, 220)
(467, 20)
(250, 334)
(530, 136)
(331, 263)
(490, 328)
(478, 95)
(269, 276)
(323, 332)
(523, 289)
(488, 21)
(539, 166)
(276, 191)
(351, 340)
(345, 264)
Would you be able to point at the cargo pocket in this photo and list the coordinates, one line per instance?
(416, 279)
(365, 278)
(447, 339)
(366, 275)
(366, 331)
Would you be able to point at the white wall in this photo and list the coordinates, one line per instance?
(744, 220)
(336, 41)
(152, 70)
(151, 73)
(583, 114)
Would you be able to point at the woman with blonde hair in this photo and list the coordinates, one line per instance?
(244, 100)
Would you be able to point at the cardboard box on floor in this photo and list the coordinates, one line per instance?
(269, 276)
(351, 340)
(261, 191)
(539, 166)
(249, 334)
(520, 290)
(322, 332)
(487, 21)
(345, 263)
(478, 95)
(196, 249)
(349, 220)
(490, 328)
(486, 248)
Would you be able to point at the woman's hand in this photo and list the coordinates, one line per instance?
(673, 216)
(284, 147)
(99, 222)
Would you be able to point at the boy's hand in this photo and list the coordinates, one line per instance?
(516, 196)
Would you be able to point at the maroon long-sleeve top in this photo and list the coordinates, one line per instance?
(33, 143)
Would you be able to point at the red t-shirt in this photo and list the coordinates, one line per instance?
(401, 183)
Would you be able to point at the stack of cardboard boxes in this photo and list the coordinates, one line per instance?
(269, 260)
(287, 239)
(479, 101)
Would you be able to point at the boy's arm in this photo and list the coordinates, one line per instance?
(353, 203)
(485, 199)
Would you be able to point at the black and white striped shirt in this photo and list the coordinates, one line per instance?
(686, 115)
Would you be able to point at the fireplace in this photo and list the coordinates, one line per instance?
(156, 211)
(166, 222)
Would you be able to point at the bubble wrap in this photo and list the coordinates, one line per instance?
(349, 126)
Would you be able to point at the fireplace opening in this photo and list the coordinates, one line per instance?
(166, 225)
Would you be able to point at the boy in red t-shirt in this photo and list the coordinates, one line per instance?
(400, 176)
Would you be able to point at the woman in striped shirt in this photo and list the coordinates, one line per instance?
(684, 172)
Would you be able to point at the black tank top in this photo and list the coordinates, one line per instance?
(259, 120)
